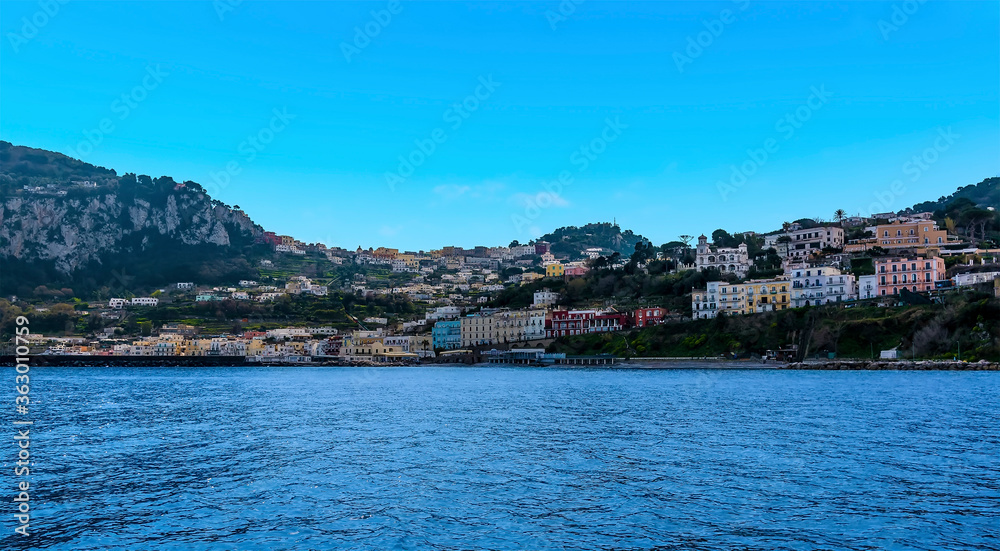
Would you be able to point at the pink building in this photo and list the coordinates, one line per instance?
(575, 271)
(914, 274)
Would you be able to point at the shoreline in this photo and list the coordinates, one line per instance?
(630, 363)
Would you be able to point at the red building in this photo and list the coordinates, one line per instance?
(541, 247)
(271, 238)
(579, 322)
(645, 317)
(610, 321)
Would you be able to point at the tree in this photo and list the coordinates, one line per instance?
(722, 238)
(839, 215)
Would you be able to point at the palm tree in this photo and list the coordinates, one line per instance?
(840, 215)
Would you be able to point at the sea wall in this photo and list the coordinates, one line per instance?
(909, 365)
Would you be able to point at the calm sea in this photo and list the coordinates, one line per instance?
(507, 458)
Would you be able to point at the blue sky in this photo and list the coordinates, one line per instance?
(517, 118)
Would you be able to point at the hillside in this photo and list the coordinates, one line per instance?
(966, 320)
(984, 194)
(572, 240)
(66, 223)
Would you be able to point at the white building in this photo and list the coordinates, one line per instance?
(803, 242)
(726, 260)
(117, 303)
(545, 297)
(185, 285)
(443, 313)
(145, 301)
(867, 286)
(812, 286)
(962, 280)
(705, 304)
(522, 250)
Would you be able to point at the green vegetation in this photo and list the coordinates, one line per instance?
(984, 194)
(221, 316)
(601, 286)
(571, 241)
(966, 212)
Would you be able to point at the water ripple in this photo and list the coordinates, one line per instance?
(496, 458)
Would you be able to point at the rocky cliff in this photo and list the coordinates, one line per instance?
(61, 219)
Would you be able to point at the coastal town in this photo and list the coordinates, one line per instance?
(883, 260)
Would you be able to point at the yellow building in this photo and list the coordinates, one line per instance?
(367, 345)
(554, 270)
(765, 295)
(732, 298)
(411, 260)
(528, 277)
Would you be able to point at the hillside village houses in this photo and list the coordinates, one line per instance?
(456, 284)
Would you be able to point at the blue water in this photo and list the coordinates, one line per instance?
(497, 458)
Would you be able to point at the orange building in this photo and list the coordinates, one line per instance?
(919, 235)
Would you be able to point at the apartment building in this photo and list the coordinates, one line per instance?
(804, 242)
(505, 326)
(868, 286)
(569, 322)
(545, 297)
(915, 274)
(447, 335)
(918, 235)
(812, 286)
(766, 295)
